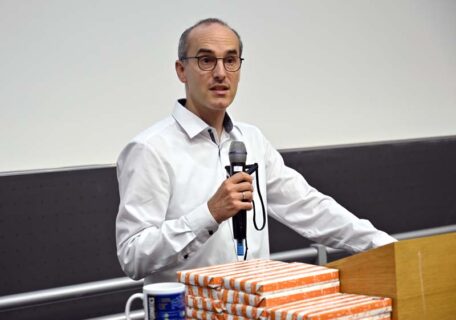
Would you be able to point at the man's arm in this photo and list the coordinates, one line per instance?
(316, 216)
(148, 237)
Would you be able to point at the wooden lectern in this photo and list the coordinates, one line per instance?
(418, 274)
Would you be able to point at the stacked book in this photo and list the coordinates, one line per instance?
(266, 289)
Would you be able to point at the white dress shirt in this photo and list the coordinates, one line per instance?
(168, 173)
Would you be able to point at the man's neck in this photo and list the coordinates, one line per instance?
(211, 117)
(216, 121)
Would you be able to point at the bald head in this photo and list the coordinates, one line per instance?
(184, 38)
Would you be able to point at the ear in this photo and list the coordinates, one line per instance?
(180, 70)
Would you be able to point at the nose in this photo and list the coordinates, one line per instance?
(219, 72)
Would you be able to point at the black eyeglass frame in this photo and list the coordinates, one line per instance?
(215, 65)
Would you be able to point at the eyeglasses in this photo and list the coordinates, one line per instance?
(208, 63)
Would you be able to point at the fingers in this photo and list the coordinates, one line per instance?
(241, 187)
(241, 183)
(247, 196)
(233, 195)
(243, 200)
(245, 204)
(241, 176)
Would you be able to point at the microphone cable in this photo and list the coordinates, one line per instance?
(250, 169)
(256, 170)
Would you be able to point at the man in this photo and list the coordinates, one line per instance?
(176, 201)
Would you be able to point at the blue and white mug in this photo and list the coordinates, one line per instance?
(161, 301)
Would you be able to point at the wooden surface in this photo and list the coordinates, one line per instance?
(419, 274)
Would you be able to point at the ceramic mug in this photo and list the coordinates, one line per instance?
(161, 301)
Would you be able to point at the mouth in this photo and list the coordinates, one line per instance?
(220, 89)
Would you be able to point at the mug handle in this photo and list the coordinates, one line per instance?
(129, 301)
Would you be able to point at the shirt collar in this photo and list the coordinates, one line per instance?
(192, 124)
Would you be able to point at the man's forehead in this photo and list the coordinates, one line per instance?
(211, 36)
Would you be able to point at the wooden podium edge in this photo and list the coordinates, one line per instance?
(418, 274)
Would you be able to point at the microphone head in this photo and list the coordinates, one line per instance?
(237, 153)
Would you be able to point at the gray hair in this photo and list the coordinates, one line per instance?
(183, 41)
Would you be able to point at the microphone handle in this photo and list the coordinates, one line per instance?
(240, 218)
(239, 225)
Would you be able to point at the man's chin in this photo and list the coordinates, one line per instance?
(220, 104)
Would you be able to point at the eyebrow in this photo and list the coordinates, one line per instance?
(204, 50)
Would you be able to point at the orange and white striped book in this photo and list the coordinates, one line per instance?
(204, 303)
(212, 276)
(224, 316)
(246, 311)
(383, 316)
(277, 312)
(227, 316)
(203, 314)
(293, 275)
(332, 306)
(203, 292)
(367, 307)
(279, 297)
(365, 316)
(235, 317)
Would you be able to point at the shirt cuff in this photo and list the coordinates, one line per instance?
(201, 222)
(383, 239)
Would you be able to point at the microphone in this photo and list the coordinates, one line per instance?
(238, 156)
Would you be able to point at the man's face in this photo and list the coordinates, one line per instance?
(209, 92)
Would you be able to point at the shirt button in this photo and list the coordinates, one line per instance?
(211, 232)
(186, 256)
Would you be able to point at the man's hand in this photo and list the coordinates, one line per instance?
(233, 195)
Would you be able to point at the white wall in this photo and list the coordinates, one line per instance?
(79, 78)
